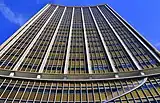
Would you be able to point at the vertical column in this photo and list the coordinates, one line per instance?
(6, 45)
(50, 45)
(104, 44)
(86, 45)
(33, 42)
(123, 44)
(154, 55)
(68, 46)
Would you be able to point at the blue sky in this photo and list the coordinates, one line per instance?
(144, 15)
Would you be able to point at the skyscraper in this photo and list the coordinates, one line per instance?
(78, 55)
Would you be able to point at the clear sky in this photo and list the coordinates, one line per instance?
(144, 15)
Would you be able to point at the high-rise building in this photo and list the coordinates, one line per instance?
(78, 55)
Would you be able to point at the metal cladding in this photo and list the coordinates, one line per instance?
(78, 55)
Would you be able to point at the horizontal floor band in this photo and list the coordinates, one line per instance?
(80, 77)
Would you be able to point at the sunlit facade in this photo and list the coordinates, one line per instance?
(78, 55)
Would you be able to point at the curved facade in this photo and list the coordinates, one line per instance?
(78, 55)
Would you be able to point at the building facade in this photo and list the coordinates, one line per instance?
(78, 55)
